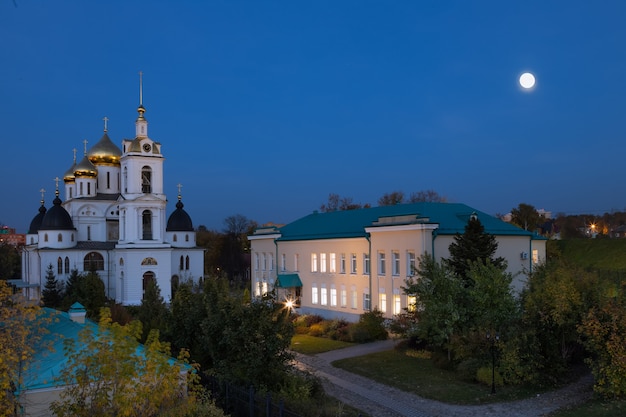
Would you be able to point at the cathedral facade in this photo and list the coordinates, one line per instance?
(113, 221)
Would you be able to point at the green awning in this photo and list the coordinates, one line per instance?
(288, 281)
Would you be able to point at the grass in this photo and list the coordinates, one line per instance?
(595, 408)
(310, 345)
(421, 377)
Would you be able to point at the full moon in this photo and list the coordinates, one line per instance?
(527, 80)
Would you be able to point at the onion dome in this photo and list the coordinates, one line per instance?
(35, 224)
(69, 174)
(179, 220)
(57, 218)
(85, 168)
(105, 152)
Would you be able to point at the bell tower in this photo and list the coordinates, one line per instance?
(142, 202)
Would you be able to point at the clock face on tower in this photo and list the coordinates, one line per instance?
(147, 147)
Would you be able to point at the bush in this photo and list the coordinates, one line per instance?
(483, 375)
(374, 324)
(468, 369)
(316, 330)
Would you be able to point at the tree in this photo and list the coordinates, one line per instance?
(473, 245)
(236, 247)
(107, 374)
(87, 289)
(187, 312)
(20, 332)
(337, 203)
(391, 199)
(427, 196)
(10, 261)
(52, 294)
(152, 312)
(604, 335)
(247, 343)
(526, 217)
(439, 312)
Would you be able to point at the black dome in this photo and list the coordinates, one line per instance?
(179, 220)
(57, 218)
(35, 224)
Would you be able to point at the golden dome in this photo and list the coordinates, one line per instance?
(105, 152)
(85, 168)
(69, 174)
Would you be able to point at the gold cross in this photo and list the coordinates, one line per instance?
(85, 142)
(106, 119)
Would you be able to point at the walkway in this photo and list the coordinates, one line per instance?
(380, 400)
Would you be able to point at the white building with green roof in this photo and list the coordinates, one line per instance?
(343, 263)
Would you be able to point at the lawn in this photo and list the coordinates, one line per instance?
(595, 408)
(310, 345)
(421, 377)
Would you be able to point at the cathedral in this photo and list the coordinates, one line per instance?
(113, 221)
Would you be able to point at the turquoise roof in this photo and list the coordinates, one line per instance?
(450, 218)
(288, 281)
(49, 358)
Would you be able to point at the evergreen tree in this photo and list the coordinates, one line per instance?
(471, 246)
(152, 312)
(52, 293)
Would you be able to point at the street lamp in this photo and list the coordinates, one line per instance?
(492, 348)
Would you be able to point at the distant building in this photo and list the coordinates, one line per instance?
(113, 221)
(343, 263)
(9, 237)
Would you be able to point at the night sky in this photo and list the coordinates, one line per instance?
(263, 108)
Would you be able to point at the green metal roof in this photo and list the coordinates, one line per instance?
(451, 218)
(288, 281)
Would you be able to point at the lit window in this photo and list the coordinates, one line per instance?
(397, 303)
(411, 302)
(383, 300)
(333, 296)
(535, 256)
(322, 262)
(333, 263)
(344, 296)
(314, 295)
(353, 297)
(314, 262)
(324, 295)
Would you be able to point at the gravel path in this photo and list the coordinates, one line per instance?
(380, 400)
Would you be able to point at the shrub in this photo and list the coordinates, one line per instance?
(316, 330)
(468, 369)
(483, 375)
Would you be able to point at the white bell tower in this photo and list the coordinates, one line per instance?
(142, 203)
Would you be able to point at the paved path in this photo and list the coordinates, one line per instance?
(380, 400)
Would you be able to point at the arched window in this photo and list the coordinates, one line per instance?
(67, 265)
(186, 238)
(59, 266)
(60, 238)
(93, 261)
(146, 222)
(149, 261)
(45, 237)
(148, 278)
(121, 261)
(187, 263)
(72, 237)
(175, 282)
(146, 180)
(125, 178)
(175, 238)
